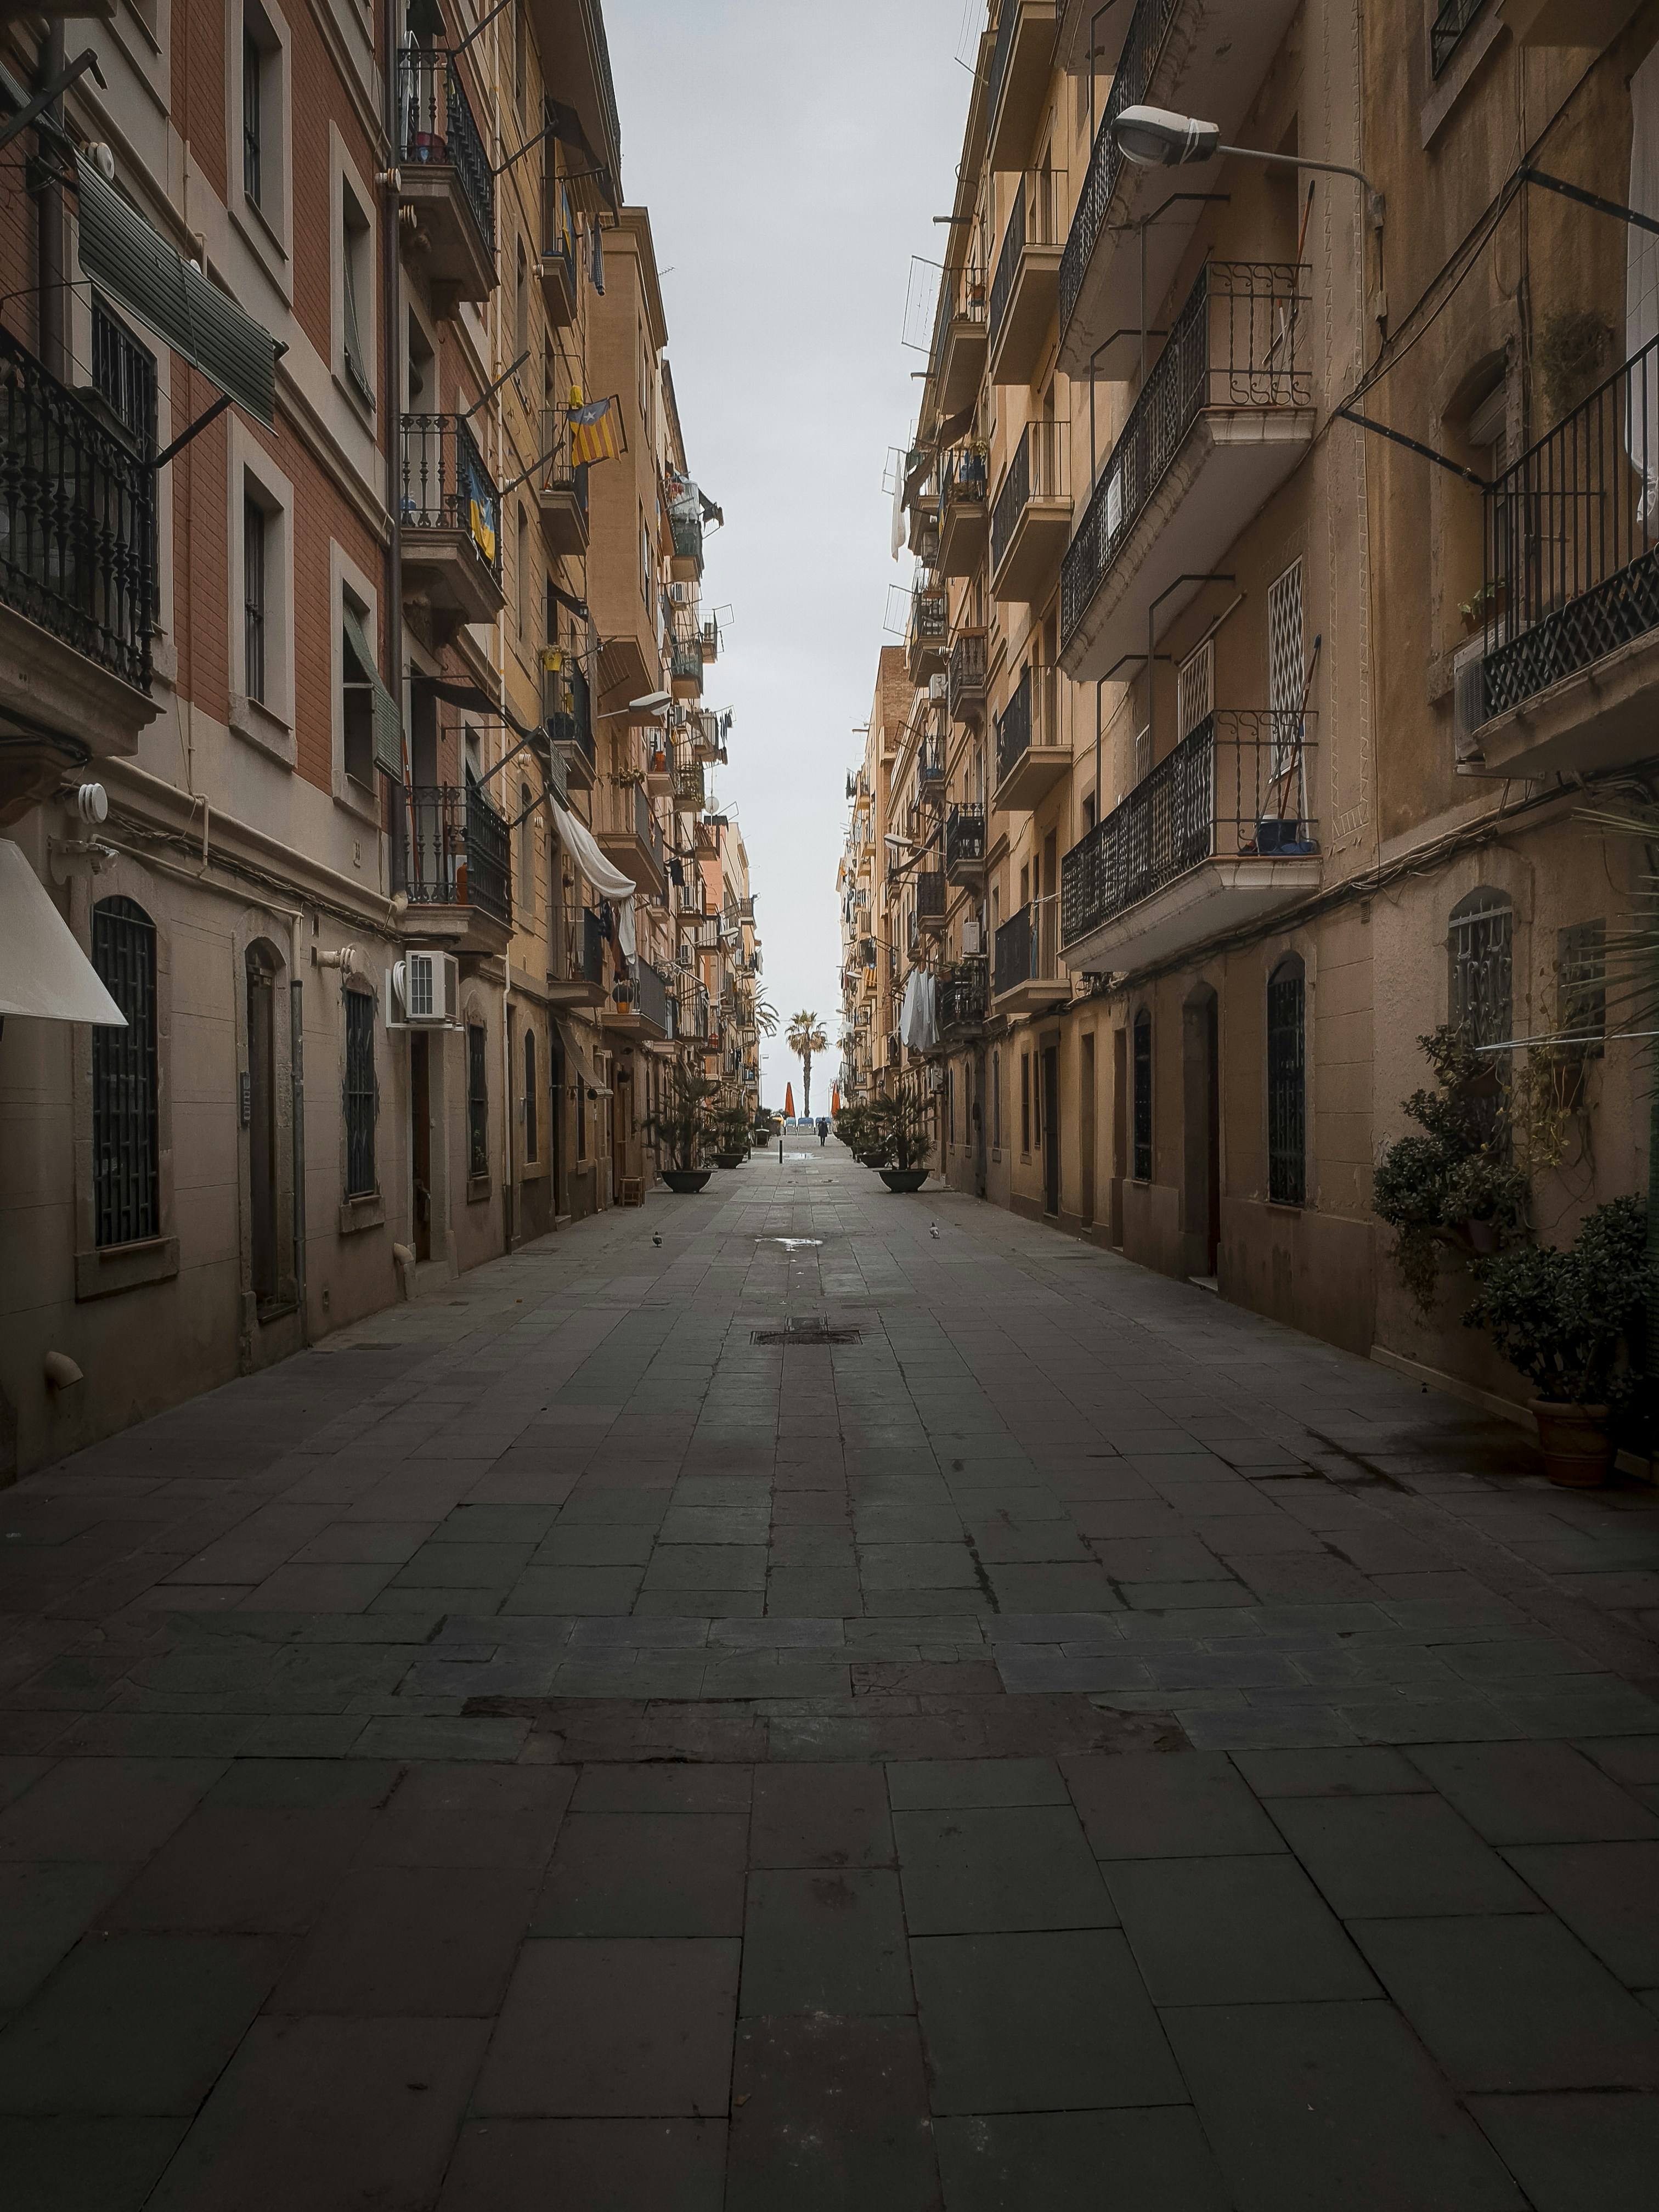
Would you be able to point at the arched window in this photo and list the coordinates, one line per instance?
(1142, 1096)
(1287, 1114)
(1480, 943)
(126, 1191)
(530, 1132)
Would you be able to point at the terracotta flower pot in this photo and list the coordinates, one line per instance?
(1575, 1443)
(686, 1182)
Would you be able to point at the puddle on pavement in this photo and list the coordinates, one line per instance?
(791, 1243)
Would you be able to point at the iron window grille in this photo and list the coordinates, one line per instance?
(1480, 942)
(253, 65)
(1581, 987)
(362, 1094)
(253, 597)
(125, 1172)
(530, 1129)
(478, 1101)
(1142, 1096)
(1287, 1127)
(1446, 34)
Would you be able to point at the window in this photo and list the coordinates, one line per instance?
(357, 685)
(1142, 1096)
(996, 1101)
(522, 606)
(951, 1102)
(126, 1192)
(529, 1130)
(478, 1101)
(1195, 688)
(253, 597)
(362, 1096)
(1287, 674)
(527, 851)
(1287, 1126)
(521, 305)
(1479, 941)
(1581, 987)
(253, 113)
(1025, 1102)
(354, 267)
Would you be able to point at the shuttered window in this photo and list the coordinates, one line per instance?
(126, 1176)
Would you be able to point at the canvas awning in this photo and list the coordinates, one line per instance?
(44, 973)
(610, 882)
(580, 1054)
(127, 258)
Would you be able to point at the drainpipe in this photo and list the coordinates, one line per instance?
(54, 307)
(392, 416)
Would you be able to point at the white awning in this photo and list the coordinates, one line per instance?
(44, 973)
(608, 880)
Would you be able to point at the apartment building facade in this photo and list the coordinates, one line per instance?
(299, 712)
(1199, 776)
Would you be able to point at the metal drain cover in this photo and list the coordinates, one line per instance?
(805, 1332)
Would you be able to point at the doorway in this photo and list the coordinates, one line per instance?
(1051, 1128)
(262, 1125)
(980, 1179)
(1120, 1130)
(1086, 1133)
(622, 1127)
(419, 1138)
(1201, 1073)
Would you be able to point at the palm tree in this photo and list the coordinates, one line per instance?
(805, 1036)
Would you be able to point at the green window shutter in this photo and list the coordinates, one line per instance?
(388, 722)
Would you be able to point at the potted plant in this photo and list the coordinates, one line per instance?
(853, 1128)
(904, 1132)
(1453, 1191)
(680, 1128)
(729, 1131)
(1560, 1317)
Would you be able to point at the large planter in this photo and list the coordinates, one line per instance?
(686, 1182)
(1575, 1443)
(730, 1159)
(869, 1159)
(904, 1178)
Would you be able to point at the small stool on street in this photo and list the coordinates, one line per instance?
(631, 1191)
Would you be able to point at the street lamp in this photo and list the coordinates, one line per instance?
(1158, 138)
(653, 703)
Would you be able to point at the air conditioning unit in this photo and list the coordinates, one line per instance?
(680, 594)
(1468, 699)
(425, 989)
(970, 937)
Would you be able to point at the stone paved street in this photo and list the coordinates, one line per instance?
(1071, 1745)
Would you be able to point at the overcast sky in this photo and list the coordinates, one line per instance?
(791, 158)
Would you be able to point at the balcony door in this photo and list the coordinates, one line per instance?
(1051, 1128)
(1085, 1133)
(420, 1130)
(1201, 1104)
(261, 1119)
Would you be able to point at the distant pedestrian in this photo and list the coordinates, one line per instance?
(823, 1131)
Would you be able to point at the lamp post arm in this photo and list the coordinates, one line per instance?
(1326, 168)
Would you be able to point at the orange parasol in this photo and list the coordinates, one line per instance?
(788, 1101)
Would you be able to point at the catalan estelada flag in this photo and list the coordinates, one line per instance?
(596, 432)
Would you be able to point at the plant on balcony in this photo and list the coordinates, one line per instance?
(680, 1127)
(1455, 1190)
(1563, 1319)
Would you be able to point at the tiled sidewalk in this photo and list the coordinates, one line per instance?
(1077, 1745)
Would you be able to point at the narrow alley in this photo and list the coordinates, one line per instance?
(798, 1697)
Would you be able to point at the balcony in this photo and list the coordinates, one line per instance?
(1217, 836)
(558, 254)
(570, 723)
(581, 984)
(1030, 756)
(964, 1000)
(685, 539)
(445, 176)
(1021, 62)
(562, 489)
(1224, 418)
(451, 521)
(690, 790)
(1033, 517)
(659, 768)
(1204, 57)
(1571, 674)
(961, 513)
(77, 534)
(685, 668)
(1025, 290)
(966, 690)
(449, 859)
(965, 845)
(929, 634)
(930, 771)
(646, 1013)
(1026, 975)
(959, 355)
(930, 902)
(628, 833)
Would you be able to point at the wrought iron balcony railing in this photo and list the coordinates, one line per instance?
(1572, 540)
(962, 300)
(569, 710)
(651, 995)
(450, 848)
(557, 470)
(77, 522)
(1142, 43)
(1030, 222)
(930, 617)
(1027, 719)
(963, 478)
(446, 485)
(963, 995)
(1234, 788)
(435, 123)
(930, 895)
(964, 838)
(1038, 470)
(688, 659)
(585, 944)
(930, 766)
(967, 679)
(1025, 948)
(1238, 342)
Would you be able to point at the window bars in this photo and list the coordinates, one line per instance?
(125, 1179)
(1287, 1131)
(362, 1094)
(1141, 1096)
(478, 1101)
